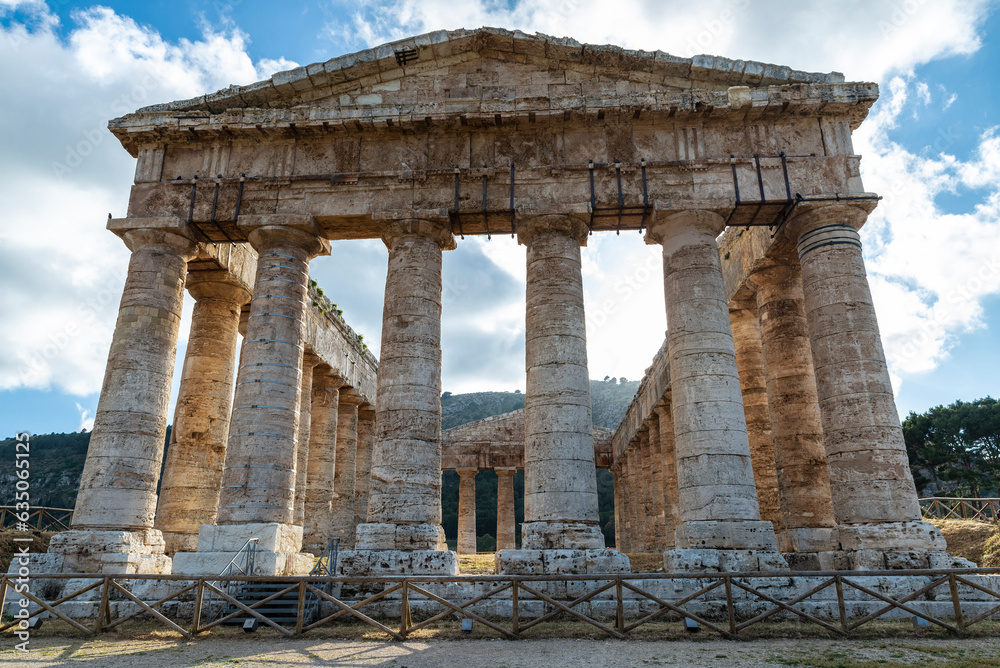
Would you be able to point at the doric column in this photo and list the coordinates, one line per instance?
(309, 362)
(645, 491)
(192, 473)
(467, 511)
(626, 514)
(259, 478)
(634, 510)
(616, 472)
(667, 457)
(506, 535)
(345, 470)
(363, 465)
(874, 499)
(317, 529)
(122, 469)
(404, 505)
(796, 426)
(718, 498)
(560, 484)
(656, 482)
(753, 382)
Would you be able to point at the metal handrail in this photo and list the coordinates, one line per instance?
(248, 555)
(329, 558)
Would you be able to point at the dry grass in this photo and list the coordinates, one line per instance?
(968, 539)
(480, 563)
(40, 543)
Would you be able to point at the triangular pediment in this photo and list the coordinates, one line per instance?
(491, 64)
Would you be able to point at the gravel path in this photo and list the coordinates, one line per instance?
(251, 652)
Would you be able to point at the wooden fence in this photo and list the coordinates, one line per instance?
(949, 508)
(739, 601)
(36, 519)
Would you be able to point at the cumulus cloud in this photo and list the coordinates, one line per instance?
(865, 40)
(930, 270)
(61, 273)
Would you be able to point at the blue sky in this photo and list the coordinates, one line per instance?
(931, 147)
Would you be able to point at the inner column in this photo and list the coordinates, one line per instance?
(192, 474)
(506, 537)
(720, 526)
(467, 511)
(796, 427)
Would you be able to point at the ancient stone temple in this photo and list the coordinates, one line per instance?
(765, 433)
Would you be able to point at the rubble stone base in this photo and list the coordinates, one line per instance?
(561, 536)
(551, 562)
(383, 563)
(406, 537)
(99, 551)
(723, 561)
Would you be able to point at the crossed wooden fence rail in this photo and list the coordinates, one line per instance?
(36, 519)
(523, 588)
(949, 508)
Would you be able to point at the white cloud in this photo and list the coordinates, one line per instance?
(865, 40)
(61, 272)
(929, 269)
(86, 421)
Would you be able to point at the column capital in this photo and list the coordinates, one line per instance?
(505, 470)
(266, 231)
(433, 224)
(172, 241)
(310, 360)
(366, 412)
(571, 224)
(217, 284)
(811, 216)
(739, 308)
(349, 395)
(673, 230)
(467, 471)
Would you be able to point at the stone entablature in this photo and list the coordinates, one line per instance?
(498, 442)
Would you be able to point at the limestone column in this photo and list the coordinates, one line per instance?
(258, 483)
(345, 469)
(717, 495)
(317, 529)
(634, 539)
(753, 382)
(626, 515)
(363, 465)
(506, 536)
(118, 484)
(667, 456)
(309, 362)
(404, 505)
(192, 473)
(616, 471)
(645, 491)
(796, 426)
(658, 511)
(874, 499)
(467, 511)
(560, 485)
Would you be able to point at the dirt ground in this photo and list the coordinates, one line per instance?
(967, 538)
(253, 652)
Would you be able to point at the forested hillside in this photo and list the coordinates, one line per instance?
(609, 398)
